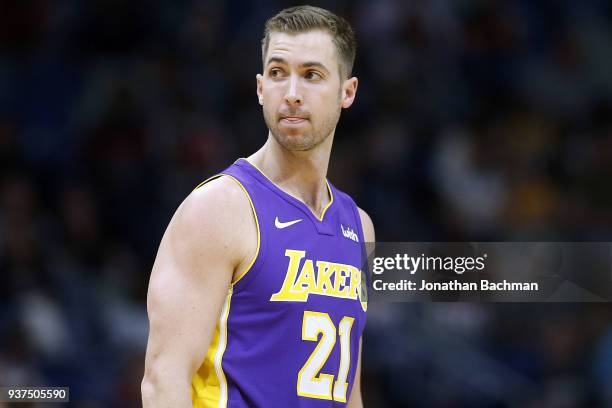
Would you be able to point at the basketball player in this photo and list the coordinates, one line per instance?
(255, 298)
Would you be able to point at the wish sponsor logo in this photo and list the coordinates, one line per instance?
(349, 233)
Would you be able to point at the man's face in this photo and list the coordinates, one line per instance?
(301, 90)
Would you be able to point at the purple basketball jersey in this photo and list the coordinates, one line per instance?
(288, 335)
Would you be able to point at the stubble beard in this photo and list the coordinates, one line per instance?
(308, 140)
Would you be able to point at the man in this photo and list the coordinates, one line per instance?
(255, 298)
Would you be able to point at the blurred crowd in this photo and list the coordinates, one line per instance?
(474, 121)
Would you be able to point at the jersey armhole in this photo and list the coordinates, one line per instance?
(358, 221)
(364, 247)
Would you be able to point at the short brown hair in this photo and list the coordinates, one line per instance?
(301, 19)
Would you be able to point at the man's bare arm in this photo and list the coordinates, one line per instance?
(199, 253)
(355, 400)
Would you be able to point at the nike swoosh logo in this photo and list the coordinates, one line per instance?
(281, 225)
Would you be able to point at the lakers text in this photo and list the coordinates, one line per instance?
(305, 277)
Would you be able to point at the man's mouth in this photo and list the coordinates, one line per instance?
(293, 120)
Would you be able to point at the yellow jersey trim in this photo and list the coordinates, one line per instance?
(209, 385)
(331, 194)
(221, 351)
(248, 268)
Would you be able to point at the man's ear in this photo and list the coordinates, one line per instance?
(349, 91)
(259, 79)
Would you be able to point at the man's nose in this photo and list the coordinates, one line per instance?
(293, 96)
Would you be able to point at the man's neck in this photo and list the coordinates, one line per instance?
(302, 174)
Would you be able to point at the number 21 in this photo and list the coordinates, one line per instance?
(309, 384)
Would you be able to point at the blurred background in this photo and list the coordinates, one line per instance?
(474, 121)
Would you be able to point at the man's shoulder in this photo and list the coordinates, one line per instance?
(341, 195)
(218, 204)
(366, 221)
(347, 198)
(367, 225)
(223, 189)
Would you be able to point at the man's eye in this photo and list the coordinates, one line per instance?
(275, 72)
(313, 75)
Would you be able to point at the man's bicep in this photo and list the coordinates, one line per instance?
(189, 283)
(183, 308)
